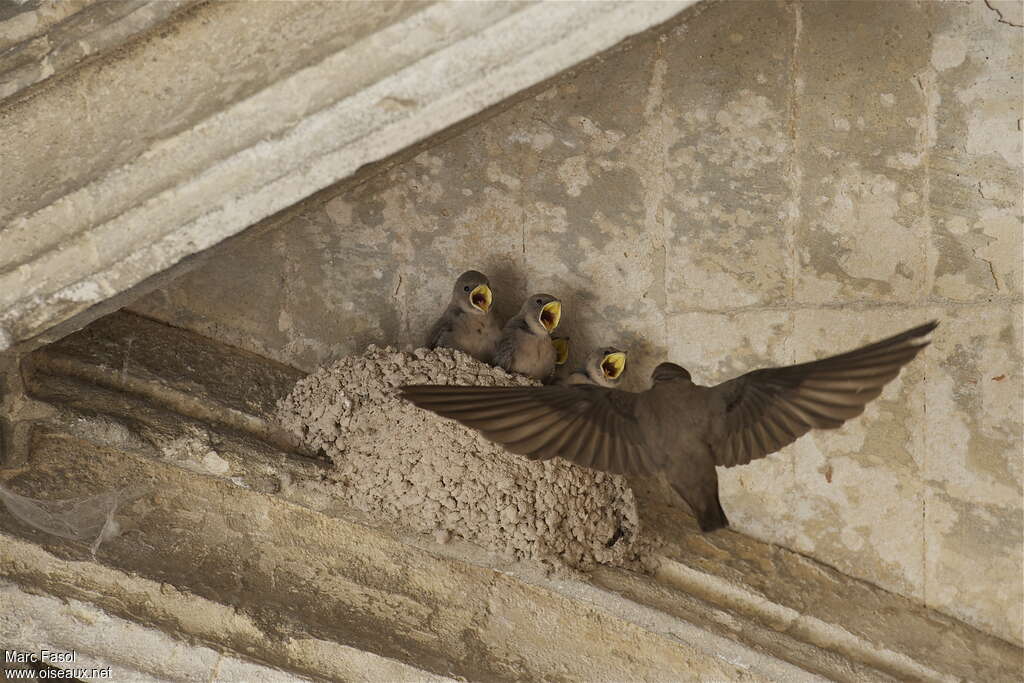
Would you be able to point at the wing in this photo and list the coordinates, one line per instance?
(441, 331)
(767, 409)
(506, 349)
(590, 426)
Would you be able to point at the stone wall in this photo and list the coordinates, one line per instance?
(758, 183)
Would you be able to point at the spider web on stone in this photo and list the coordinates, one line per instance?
(86, 519)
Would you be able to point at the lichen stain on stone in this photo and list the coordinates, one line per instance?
(871, 239)
(991, 124)
(1003, 232)
(975, 432)
(961, 272)
(748, 132)
(869, 519)
(960, 533)
(572, 172)
(724, 214)
(496, 174)
(948, 51)
(339, 210)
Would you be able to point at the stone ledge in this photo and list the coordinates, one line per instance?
(822, 607)
(31, 623)
(221, 171)
(261, 576)
(177, 369)
(42, 41)
(122, 606)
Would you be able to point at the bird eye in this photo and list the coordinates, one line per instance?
(466, 288)
(540, 301)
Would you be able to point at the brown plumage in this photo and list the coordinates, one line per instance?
(677, 427)
(468, 323)
(525, 344)
(604, 367)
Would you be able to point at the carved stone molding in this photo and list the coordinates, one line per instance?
(234, 111)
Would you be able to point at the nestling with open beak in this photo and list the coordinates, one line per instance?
(676, 427)
(603, 368)
(525, 345)
(468, 324)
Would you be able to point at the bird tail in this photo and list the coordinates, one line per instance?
(712, 518)
(701, 494)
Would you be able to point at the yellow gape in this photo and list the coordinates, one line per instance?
(561, 345)
(550, 315)
(613, 364)
(480, 297)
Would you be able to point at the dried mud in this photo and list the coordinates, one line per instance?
(408, 467)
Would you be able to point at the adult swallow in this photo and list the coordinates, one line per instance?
(676, 427)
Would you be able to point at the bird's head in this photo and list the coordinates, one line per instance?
(606, 366)
(542, 313)
(668, 372)
(472, 292)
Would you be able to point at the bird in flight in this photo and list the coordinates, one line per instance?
(676, 427)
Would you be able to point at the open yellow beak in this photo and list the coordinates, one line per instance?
(481, 298)
(561, 345)
(613, 364)
(550, 315)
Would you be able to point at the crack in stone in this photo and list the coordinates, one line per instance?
(991, 269)
(1001, 19)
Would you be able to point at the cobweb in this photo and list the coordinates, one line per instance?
(89, 519)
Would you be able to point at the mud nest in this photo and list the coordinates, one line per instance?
(410, 468)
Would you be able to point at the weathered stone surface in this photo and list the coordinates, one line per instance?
(134, 162)
(728, 143)
(591, 223)
(972, 468)
(859, 489)
(972, 87)
(797, 596)
(178, 369)
(859, 127)
(32, 623)
(759, 183)
(42, 39)
(274, 578)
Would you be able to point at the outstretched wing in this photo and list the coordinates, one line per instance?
(767, 409)
(591, 426)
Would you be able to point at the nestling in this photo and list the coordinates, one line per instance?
(468, 323)
(525, 345)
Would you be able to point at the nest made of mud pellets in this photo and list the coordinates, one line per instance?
(410, 468)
